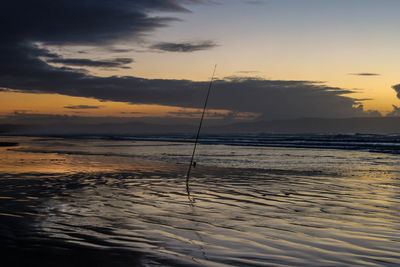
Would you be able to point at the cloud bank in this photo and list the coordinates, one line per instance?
(82, 107)
(83, 62)
(273, 99)
(365, 74)
(184, 47)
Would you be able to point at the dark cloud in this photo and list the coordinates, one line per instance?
(186, 113)
(83, 22)
(395, 112)
(22, 111)
(184, 47)
(397, 89)
(82, 107)
(82, 62)
(132, 112)
(365, 74)
(120, 50)
(25, 23)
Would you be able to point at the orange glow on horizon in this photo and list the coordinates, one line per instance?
(54, 104)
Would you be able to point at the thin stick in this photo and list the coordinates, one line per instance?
(198, 132)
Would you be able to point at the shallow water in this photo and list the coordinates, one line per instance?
(253, 205)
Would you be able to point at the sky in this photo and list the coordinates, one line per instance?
(276, 59)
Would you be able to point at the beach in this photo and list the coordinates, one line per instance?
(123, 202)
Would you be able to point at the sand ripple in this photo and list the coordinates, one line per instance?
(257, 219)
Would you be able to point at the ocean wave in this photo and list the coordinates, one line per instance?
(363, 142)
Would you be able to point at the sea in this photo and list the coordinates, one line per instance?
(251, 200)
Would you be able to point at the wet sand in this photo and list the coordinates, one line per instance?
(104, 210)
(23, 242)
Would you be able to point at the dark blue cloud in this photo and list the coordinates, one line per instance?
(184, 47)
(397, 89)
(365, 74)
(83, 62)
(83, 21)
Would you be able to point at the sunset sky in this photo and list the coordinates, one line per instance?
(276, 59)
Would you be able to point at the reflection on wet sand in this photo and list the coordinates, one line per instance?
(245, 221)
(135, 211)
